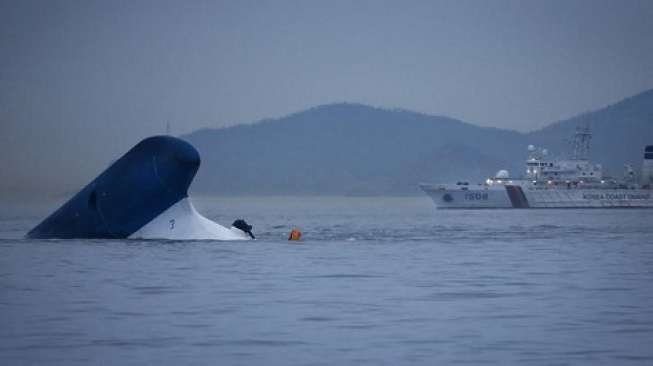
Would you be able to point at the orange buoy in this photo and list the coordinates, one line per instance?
(295, 235)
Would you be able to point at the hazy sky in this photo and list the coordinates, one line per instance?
(90, 78)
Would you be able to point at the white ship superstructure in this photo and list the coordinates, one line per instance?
(575, 182)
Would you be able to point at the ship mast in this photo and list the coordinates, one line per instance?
(581, 143)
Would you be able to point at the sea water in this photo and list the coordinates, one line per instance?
(374, 281)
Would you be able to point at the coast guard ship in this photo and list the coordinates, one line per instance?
(575, 182)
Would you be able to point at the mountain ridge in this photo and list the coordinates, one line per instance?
(351, 148)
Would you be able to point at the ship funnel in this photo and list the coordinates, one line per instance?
(647, 166)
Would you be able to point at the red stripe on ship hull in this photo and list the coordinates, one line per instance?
(517, 197)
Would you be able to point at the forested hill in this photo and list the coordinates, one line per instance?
(354, 149)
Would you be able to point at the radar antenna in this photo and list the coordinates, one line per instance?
(581, 142)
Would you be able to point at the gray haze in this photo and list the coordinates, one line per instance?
(82, 81)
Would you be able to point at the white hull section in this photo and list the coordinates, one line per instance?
(182, 222)
(526, 196)
(467, 197)
(588, 198)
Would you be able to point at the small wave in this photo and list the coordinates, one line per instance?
(155, 290)
(317, 319)
(251, 343)
(344, 275)
(445, 296)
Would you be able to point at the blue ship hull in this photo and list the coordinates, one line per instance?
(150, 178)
